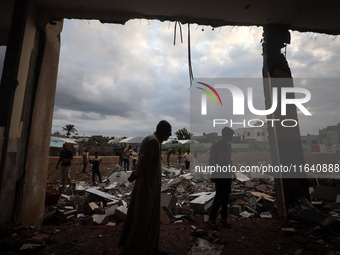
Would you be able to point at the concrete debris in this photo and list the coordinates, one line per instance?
(187, 198)
(52, 196)
(327, 193)
(204, 247)
(121, 212)
(202, 202)
(30, 246)
(266, 215)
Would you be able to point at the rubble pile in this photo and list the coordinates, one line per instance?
(188, 198)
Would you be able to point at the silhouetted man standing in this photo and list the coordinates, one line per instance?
(140, 234)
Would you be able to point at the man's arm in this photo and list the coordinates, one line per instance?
(149, 159)
(58, 162)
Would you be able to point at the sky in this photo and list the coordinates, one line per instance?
(121, 80)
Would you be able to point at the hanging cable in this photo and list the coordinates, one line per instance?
(191, 76)
(180, 29)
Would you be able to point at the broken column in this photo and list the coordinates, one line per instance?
(285, 143)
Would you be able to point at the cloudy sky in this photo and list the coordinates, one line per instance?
(120, 80)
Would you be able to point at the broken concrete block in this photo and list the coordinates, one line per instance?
(100, 219)
(266, 215)
(203, 246)
(252, 202)
(52, 196)
(288, 230)
(93, 206)
(262, 188)
(242, 177)
(164, 217)
(170, 184)
(111, 210)
(119, 177)
(235, 196)
(203, 202)
(201, 217)
(30, 246)
(246, 214)
(266, 203)
(121, 212)
(259, 194)
(111, 224)
(97, 196)
(169, 201)
(250, 184)
(334, 206)
(251, 210)
(328, 193)
(40, 237)
(235, 209)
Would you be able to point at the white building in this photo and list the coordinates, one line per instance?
(253, 133)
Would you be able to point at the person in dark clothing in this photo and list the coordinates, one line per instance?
(220, 154)
(66, 157)
(141, 230)
(95, 161)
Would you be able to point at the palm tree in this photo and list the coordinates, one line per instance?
(69, 129)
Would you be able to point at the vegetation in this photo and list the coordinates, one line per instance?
(69, 129)
(96, 141)
(183, 134)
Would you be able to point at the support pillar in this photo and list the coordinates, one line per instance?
(285, 142)
(40, 134)
(12, 94)
(27, 94)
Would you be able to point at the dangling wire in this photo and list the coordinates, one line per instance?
(180, 29)
(191, 76)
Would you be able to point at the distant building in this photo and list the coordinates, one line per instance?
(207, 138)
(329, 138)
(330, 135)
(259, 134)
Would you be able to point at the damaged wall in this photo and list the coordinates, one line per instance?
(27, 94)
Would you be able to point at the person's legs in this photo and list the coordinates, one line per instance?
(93, 176)
(63, 176)
(225, 192)
(217, 201)
(67, 175)
(84, 168)
(99, 176)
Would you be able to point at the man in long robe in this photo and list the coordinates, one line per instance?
(140, 234)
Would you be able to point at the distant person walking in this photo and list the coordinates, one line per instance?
(95, 161)
(134, 158)
(126, 158)
(179, 158)
(85, 160)
(65, 158)
(186, 158)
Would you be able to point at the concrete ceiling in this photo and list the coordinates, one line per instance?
(301, 15)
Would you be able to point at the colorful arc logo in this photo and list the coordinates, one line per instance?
(209, 93)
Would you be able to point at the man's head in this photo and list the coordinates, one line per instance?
(86, 150)
(227, 134)
(163, 130)
(65, 146)
(96, 154)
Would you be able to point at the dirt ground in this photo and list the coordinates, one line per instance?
(252, 236)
